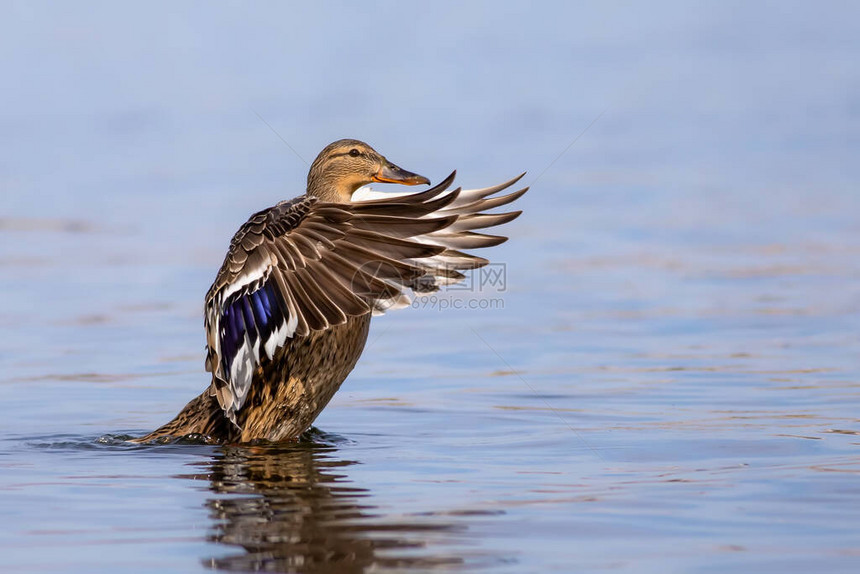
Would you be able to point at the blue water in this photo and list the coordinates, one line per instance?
(661, 377)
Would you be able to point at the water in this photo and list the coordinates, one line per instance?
(667, 378)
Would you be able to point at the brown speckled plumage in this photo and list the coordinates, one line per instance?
(288, 314)
(289, 394)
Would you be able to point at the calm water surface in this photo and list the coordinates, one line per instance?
(666, 378)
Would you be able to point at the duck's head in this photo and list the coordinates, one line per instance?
(345, 165)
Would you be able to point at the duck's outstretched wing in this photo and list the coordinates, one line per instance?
(305, 265)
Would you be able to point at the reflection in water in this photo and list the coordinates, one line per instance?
(291, 508)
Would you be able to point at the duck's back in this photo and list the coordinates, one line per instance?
(289, 392)
(286, 393)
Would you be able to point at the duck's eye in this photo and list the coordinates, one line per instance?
(354, 152)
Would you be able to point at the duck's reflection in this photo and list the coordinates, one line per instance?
(294, 509)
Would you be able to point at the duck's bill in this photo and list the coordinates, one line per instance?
(390, 173)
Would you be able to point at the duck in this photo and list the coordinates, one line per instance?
(288, 314)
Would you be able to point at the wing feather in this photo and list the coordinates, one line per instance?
(305, 265)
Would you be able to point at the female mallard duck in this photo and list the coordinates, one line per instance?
(287, 316)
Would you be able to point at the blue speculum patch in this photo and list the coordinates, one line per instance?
(256, 314)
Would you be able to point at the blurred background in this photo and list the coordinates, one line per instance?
(670, 383)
